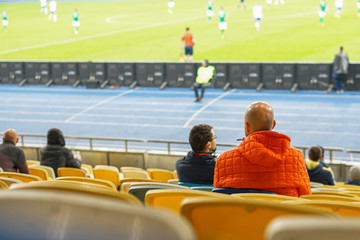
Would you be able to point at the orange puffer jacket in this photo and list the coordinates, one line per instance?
(264, 161)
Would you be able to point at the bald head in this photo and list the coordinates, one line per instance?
(11, 135)
(259, 116)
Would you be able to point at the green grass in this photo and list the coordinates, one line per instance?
(143, 30)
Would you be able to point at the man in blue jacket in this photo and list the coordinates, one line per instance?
(199, 164)
(317, 172)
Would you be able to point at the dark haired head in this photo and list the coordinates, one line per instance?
(315, 153)
(55, 137)
(187, 29)
(199, 136)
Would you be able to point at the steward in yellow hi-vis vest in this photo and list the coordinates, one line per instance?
(205, 74)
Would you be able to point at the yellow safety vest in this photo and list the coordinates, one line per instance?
(205, 74)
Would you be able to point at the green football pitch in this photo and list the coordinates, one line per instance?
(145, 31)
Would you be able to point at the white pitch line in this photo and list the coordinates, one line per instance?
(205, 106)
(97, 35)
(96, 105)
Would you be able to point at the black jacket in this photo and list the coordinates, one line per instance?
(320, 175)
(55, 154)
(196, 168)
(12, 158)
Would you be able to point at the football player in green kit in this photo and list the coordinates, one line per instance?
(76, 21)
(210, 10)
(222, 24)
(323, 8)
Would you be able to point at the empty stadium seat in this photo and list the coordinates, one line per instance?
(67, 171)
(20, 176)
(101, 182)
(54, 215)
(160, 174)
(235, 218)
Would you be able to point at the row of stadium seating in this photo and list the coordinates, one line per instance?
(91, 211)
(306, 76)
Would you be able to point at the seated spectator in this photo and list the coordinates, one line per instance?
(55, 154)
(354, 175)
(198, 165)
(12, 158)
(317, 172)
(264, 159)
(322, 157)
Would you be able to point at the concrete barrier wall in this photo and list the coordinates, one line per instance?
(152, 160)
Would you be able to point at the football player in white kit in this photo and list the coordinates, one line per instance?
(171, 5)
(338, 5)
(43, 7)
(52, 8)
(257, 15)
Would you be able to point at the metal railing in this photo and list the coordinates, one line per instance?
(169, 144)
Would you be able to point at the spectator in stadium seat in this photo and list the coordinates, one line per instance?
(264, 160)
(317, 172)
(55, 154)
(205, 74)
(188, 40)
(354, 174)
(340, 69)
(12, 158)
(198, 165)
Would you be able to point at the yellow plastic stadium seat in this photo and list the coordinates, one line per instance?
(316, 184)
(49, 170)
(10, 181)
(127, 185)
(106, 167)
(340, 208)
(124, 180)
(88, 167)
(313, 228)
(335, 192)
(325, 197)
(43, 215)
(107, 174)
(125, 168)
(173, 181)
(42, 173)
(3, 185)
(20, 176)
(32, 162)
(236, 218)
(101, 182)
(172, 198)
(160, 174)
(1, 170)
(74, 172)
(264, 196)
(78, 187)
(135, 174)
(350, 186)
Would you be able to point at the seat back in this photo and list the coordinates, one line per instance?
(125, 168)
(67, 171)
(330, 198)
(106, 167)
(235, 218)
(107, 174)
(20, 176)
(3, 185)
(135, 174)
(160, 174)
(88, 167)
(126, 186)
(54, 215)
(340, 208)
(172, 198)
(101, 182)
(42, 173)
(49, 170)
(313, 228)
(265, 196)
(141, 190)
(10, 181)
(32, 162)
(80, 188)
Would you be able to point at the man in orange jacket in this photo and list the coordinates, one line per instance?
(264, 159)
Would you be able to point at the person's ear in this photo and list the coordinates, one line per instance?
(17, 140)
(274, 124)
(247, 128)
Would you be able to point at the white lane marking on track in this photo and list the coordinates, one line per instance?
(97, 35)
(96, 105)
(205, 106)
